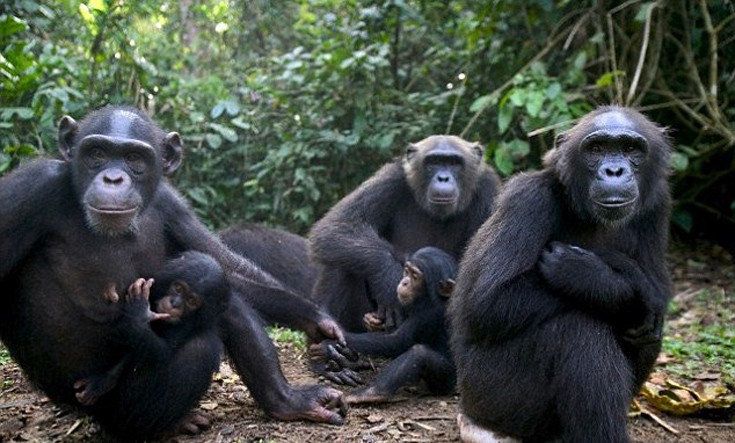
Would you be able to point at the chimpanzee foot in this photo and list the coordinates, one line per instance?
(470, 432)
(314, 403)
(368, 395)
(195, 423)
(89, 390)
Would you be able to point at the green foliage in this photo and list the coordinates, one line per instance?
(284, 107)
(287, 337)
(703, 338)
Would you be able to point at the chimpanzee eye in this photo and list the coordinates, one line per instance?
(628, 149)
(136, 162)
(96, 158)
(595, 149)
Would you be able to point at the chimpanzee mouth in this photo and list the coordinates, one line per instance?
(615, 203)
(449, 200)
(113, 210)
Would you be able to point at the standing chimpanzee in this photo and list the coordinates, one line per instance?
(186, 302)
(558, 313)
(280, 253)
(106, 214)
(438, 194)
(420, 343)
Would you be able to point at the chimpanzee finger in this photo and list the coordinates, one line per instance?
(339, 404)
(347, 352)
(336, 377)
(337, 356)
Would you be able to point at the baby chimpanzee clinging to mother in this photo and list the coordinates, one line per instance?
(186, 299)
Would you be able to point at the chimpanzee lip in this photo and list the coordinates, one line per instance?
(113, 210)
(615, 203)
(443, 200)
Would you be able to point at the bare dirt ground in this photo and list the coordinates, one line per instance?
(26, 415)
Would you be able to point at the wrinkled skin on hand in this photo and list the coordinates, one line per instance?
(315, 403)
(339, 362)
(327, 328)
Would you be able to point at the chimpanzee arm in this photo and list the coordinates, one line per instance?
(384, 344)
(259, 288)
(350, 235)
(603, 281)
(29, 197)
(499, 262)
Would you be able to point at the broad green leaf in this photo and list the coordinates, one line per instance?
(505, 116)
(503, 162)
(480, 103)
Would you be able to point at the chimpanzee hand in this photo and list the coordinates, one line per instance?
(650, 331)
(315, 403)
(333, 350)
(137, 299)
(392, 315)
(560, 262)
(342, 376)
(373, 322)
(383, 290)
(328, 328)
(579, 272)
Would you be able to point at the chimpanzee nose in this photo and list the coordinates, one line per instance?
(114, 177)
(614, 171)
(443, 178)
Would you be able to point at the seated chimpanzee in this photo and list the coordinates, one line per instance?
(102, 217)
(186, 300)
(558, 313)
(420, 344)
(437, 194)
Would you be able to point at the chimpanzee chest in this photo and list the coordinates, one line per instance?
(59, 324)
(411, 229)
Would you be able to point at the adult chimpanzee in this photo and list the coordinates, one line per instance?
(280, 253)
(420, 343)
(186, 302)
(557, 317)
(438, 194)
(105, 214)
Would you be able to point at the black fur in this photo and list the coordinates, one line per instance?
(362, 241)
(106, 214)
(557, 316)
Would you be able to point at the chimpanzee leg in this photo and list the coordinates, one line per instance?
(154, 398)
(594, 384)
(418, 362)
(256, 361)
(345, 297)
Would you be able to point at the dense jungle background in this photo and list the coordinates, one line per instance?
(285, 106)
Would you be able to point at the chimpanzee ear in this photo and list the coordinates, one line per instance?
(411, 150)
(478, 150)
(560, 138)
(172, 153)
(446, 287)
(68, 128)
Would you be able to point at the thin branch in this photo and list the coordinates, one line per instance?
(641, 55)
(712, 95)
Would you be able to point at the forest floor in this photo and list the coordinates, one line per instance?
(699, 352)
